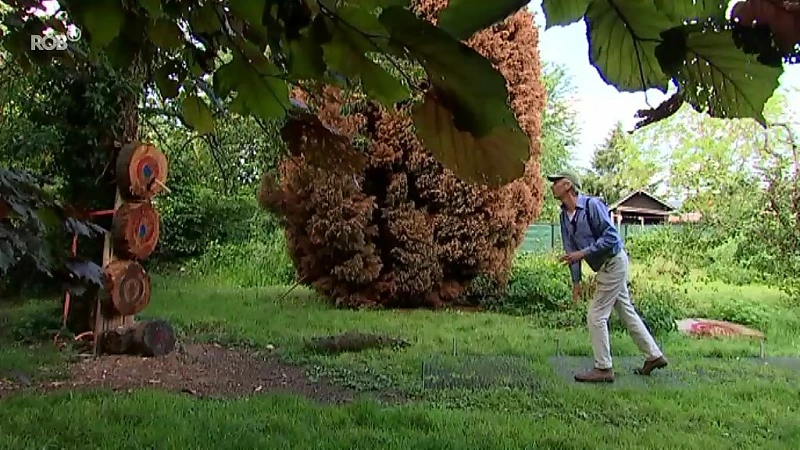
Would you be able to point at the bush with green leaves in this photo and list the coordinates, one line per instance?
(736, 310)
(658, 305)
(676, 250)
(537, 283)
(541, 286)
(252, 263)
(193, 217)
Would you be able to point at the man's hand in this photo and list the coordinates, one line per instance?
(572, 258)
(576, 293)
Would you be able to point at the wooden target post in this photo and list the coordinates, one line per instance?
(127, 286)
(135, 230)
(141, 173)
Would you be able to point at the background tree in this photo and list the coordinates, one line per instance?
(743, 180)
(560, 128)
(619, 166)
(406, 231)
(63, 124)
(711, 164)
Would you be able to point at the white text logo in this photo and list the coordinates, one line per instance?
(54, 41)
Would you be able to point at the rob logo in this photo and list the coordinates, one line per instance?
(54, 41)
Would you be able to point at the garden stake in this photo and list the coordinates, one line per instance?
(423, 374)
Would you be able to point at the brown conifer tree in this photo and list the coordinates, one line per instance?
(405, 232)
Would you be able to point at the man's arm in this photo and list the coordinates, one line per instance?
(597, 212)
(574, 268)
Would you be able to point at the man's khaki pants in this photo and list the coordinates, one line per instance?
(612, 292)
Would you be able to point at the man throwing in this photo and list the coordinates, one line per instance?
(588, 234)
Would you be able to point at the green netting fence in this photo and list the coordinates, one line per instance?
(543, 237)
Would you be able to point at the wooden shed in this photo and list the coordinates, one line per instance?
(640, 207)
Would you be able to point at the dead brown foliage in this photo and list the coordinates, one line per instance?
(405, 232)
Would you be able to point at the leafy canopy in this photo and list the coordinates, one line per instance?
(253, 52)
(246, 56)
(724, 65)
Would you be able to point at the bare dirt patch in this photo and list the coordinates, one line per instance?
(204, 370)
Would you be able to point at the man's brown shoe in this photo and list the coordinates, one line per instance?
(596, 376)
(649, 366)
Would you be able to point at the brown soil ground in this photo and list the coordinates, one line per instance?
(204, 370)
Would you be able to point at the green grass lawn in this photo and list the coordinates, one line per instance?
(742, 405)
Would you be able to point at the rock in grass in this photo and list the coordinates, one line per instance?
(354, 341)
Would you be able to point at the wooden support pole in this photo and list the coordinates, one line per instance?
(106, 318)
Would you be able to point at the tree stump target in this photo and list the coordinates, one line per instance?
(141, 171)
(154, 338)
(135, 230)
(128, 287)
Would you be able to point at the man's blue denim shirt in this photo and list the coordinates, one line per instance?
(577, 234)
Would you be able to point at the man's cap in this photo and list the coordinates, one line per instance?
(568, 174)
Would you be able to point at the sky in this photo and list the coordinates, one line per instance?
(598, 105)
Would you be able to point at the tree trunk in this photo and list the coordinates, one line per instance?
(155, 338)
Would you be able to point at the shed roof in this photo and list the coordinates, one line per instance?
(624, 199)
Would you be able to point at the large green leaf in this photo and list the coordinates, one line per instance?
(259, 88)
(466, 120)
(225, 79)
(494, 160)
(722, 80)
(693, 9)
(563, 12)
(463, 18)
(467, 83)
(205, 19)
(622, 42)
(343, 56)
(103, 19)
(165, 34)
(361, 29)
(119, 52)
(305, 58)
(153, 7)
(197, 114)
(381, 85)
(250, 11)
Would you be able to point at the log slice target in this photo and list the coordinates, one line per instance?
(140, 169)
(135, 230)
(128, 286)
